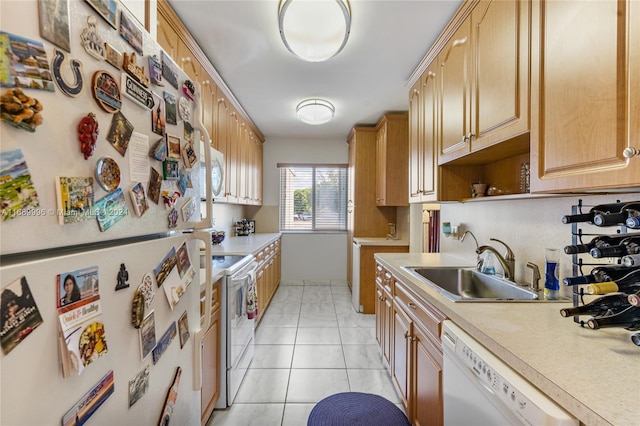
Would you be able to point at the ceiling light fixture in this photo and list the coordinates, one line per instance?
(315, 111)
(314, 30)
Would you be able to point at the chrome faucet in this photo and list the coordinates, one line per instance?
(508, 262)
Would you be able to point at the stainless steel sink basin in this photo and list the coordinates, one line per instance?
(469, 285)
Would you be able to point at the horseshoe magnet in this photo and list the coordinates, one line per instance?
(77, 87)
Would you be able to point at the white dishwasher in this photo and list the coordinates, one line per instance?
(481, 390)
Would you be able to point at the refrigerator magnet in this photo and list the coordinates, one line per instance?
(173, 218)
(123, 276)
(106, 92)
(107, 174)
(92, 42)
(137, 309)
(189, 89)
(184, 109)
(130, 65)
(88, 131)
(155, 71)
(75, 88)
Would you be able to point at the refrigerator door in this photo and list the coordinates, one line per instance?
(33, 390)
(54, 149)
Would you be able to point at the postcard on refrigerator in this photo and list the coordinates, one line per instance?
(75, 199)
(90, 402)
(147, 334)
(76, 285)
(24, 63)
(138, 386)
(20, 315)
(164, 342)
(138, 199)
(16, 188)
(165, 267)
(155, 184)
(110, 209)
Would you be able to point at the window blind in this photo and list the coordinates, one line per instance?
(313, 197)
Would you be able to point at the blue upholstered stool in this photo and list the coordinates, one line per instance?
(356, 408)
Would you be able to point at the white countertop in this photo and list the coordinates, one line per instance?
(591, 373)
(370, 241)
(244, 245)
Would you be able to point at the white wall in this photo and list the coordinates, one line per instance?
(307, 255)
(528, 226)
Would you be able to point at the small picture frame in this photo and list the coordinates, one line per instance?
(189, 155)
(54, 22)
(171, 169)
(120, 133)
(130, 32)
(170, 105)
(107, 9)
(183, 329)
(112, 56)
(173, 146)
(155, 184)
(169, 70)
(158, 120)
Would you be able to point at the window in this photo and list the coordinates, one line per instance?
(313, 197)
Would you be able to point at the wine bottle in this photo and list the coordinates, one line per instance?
(634, 299)
(608, 304)
(633, 218)
(629, 283)
(629, 245)
(600, 274)
(596, 242)
(588, 217)
(628, 318)
(630, 260)
(617, 218)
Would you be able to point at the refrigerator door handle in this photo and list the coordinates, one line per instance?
(207, 222)
(205, 236)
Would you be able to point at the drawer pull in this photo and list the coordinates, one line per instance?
(412, 305)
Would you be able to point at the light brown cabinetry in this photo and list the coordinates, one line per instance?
(423, 134)
(267, 275)
(364, 218)
(478, 79)
(368, 273)
(585, 90)
(415, 354)
(229, 127)
(392, 139)
(384, 313)
(210, 390)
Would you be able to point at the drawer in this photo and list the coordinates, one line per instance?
(425, 315)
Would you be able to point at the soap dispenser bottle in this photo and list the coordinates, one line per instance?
(488, 265)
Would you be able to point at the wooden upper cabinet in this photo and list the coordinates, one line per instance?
(455, 102)
(209, 107)
(188, 62)
(423, 130)
(167, 36)
(392, 155)
(500, 78)
(585, 94)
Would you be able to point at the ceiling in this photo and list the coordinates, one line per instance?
(369, 77)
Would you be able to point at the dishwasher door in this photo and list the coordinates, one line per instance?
(480, 389)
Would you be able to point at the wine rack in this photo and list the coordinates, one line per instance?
(577, 259)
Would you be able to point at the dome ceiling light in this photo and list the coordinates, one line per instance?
(314, 30)
(315, 111)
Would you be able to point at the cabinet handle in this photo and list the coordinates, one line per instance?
(470, 136)
(412, 305)
(407, 335)
(186, 59)
(630, 151)
(459, 42)
(431, 74)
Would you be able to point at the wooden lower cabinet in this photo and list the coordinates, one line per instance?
(210, 390)
(408, 329)
(268, 275)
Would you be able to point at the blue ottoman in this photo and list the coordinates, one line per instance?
(356, 408)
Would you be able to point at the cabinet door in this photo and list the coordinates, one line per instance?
(416, 142)
(210, 369)
(261, 289)
(380, 314)
(167, 37)
(381, 165)
(500, 96)
(427, 407)
(387, 327)
(188, 62)
(584, 95)
(402, 326)
(455, 123)
(429, 177)
(209, 97)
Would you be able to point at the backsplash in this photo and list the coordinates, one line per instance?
(528, 226)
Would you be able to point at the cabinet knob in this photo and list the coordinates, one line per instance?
(412, 305)
(630, 151)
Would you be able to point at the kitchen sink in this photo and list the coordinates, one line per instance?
(469, 285)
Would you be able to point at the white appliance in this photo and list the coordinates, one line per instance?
(33, 245)
(237, 329)
(355, 277)
(480, 389)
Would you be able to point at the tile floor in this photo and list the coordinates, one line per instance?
(309, 344)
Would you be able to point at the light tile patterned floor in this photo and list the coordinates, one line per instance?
(309, 344)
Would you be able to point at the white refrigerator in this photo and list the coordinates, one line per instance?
(92, 358)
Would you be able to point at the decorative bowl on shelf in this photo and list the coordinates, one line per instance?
(217, 237)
